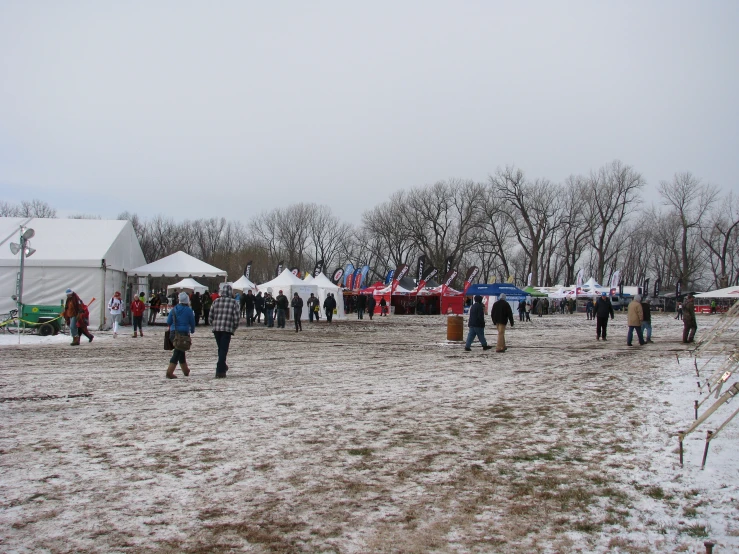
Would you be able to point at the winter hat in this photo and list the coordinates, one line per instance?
(69, 292)
(637, 298)
(502, 296)
(183, 298)
(295, 294)
(478, 298)
(226, 290)
(603, 294)
(117, 294)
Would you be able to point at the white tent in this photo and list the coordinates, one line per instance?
(325, 286)
(243, 284)
(290, 284)
(90, 256)
(729, 292)
(189, 285)
(178, 264)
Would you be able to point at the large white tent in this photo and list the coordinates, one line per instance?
(90, 256)
(729, 292)
(325, 286)
(290, 284)
(178, 264)
(243, 284)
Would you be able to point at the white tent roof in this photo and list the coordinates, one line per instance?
(178, 264)
(188, 284)
(308, 278)
(73, 243)
(243, 284)
(325, 286)
(290, 284)
(591, 284)
(729, 292)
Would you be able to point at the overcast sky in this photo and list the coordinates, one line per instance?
(202, 109)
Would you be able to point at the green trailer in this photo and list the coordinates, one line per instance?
(46, 320)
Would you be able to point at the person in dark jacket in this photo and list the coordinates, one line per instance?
(207, 303)
(196, 303)
(361, 306)
(258, 307)
(269, 309)
(476, 325)
(283, 305)
(180, 320)
(383, 307)
(224, 318)
(297, 305)
(501, 314)
(312, 305)
(603, 308)
(371, 306)
(689, 324)
(521, 311)
(155, 304)
(329, 305)
(248, 307)
(589, 306)
(646, 324)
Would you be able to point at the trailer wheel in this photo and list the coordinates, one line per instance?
(46, 329)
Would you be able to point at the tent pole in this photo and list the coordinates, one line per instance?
(103, 303)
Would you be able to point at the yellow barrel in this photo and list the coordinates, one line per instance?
(455, 328)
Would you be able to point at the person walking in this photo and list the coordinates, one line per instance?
(361, 306)
(249, 307)
(528, 310)
(635, 316)
(476, 324)
(297, 306)
(329, 305)
(115, 307)
(224, 320)
(155, 304)
(312, 305)
(501, 314)
(76, 317)
(679, 314)
(259, 307)
(383, 307)
(180, 320)
(521, 311)
(196, 303)
(603, 308)
(371, 303)
(589, 309)
(138, 307)
(207, 303)
(690, 326)
(241, 299)
(269, 309)
(283, 305)
(646, 324)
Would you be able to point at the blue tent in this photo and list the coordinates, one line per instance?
(496, 289)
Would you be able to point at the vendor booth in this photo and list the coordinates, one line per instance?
(724, 299)
(243, 285)
(491, 292)
(187, 285)
(289, 284)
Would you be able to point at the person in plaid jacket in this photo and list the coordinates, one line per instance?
(224, 319)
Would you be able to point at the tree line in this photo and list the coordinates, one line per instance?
(510, 226)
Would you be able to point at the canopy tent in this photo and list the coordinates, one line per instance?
(449, 300)
(243, 284)
(189, 285)
(729, 292)
(373, 287)
(514, 295)
(531, 291)
(90, 256)
(178, 264)
(591, 284)
(325, 286)
(290, 284)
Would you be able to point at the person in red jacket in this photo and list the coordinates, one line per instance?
(138, 306)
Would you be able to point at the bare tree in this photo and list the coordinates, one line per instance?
(327, 234)
(689, 200)
(721, 238)
(532, 209)
(32, 208)
(614, 191)
(577, 224)
(388, 229)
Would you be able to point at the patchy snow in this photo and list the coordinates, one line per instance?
(363, 437)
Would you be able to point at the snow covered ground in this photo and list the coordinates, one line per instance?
(363, 437)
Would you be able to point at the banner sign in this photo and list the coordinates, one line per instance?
(616, 279)
(389, 276)
(318, 269)
(471, 274)
(362, 281)
(278, 269)
(247, 270)
(430, 274)
(678, 288)
(449, 277)
(295, 271)
(348, 272)
(419, 267)
(448, 264)
(645, 288)
(528, 281)
(657, 284)
(337, 275)
(400, 272)
(357, 278)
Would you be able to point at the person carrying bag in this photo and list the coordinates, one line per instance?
(181, 321)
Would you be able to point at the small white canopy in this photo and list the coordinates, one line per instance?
(178, 264)
(325, 286)
(243, 284)
(729, 292)
(190, 285)
(289, 284)
(591, 284)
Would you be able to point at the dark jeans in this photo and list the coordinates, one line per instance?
(138, 321)
(371, 312)
(269, 318)
(630, 335)
(197, 317)
(297, 313)
(310, 315)
(478, 332)
(601, 324)
(329, 315)
(153, 315)
(281, 318)
(249, 313)
(223, 340)
(206, 313)
(689, 330)
(360, 313)
(178, 356)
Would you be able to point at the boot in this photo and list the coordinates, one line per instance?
(170, 371)
(141, 333)
(75, 341)
(185, 369)
(134, 334)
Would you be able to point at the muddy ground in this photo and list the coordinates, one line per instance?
(361, 437)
